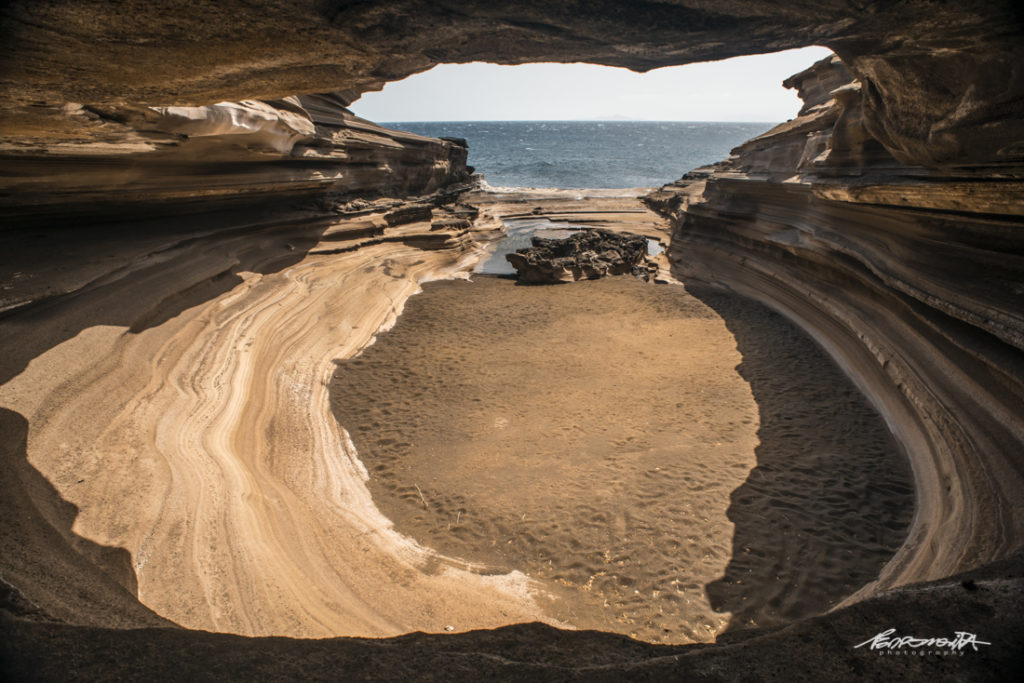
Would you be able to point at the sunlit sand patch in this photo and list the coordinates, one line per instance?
(588, 435)
(602, 437)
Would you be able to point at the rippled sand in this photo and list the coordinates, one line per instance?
(602, 437)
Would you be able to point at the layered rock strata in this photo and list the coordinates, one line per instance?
(910, 276)
(134, 162)
(170, 310)
(886, 219)
(940, 79)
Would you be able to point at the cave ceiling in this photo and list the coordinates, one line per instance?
(942, 79)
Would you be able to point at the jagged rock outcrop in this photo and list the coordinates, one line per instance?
(585, 255)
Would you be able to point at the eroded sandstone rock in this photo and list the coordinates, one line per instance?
(909, 275)
(940, 80)
(886, 219)
(146, 161)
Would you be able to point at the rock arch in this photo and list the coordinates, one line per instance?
(886, 219)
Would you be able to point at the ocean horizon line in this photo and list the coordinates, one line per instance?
(771, 123)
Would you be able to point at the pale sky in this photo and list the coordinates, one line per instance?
(738, 89)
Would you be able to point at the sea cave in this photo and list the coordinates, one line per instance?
(255, 401)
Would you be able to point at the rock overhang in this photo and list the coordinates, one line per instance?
(940, 91)
(940, 85)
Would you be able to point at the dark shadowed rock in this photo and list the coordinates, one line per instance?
(940, 79)
(586, 255)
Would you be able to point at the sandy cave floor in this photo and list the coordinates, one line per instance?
(654, 460)
(667, 465)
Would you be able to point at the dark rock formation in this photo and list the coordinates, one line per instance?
(585, 255)
(821, 648)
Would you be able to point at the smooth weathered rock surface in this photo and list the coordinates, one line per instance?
(910, 277)
(585, 255)
(886, 220)
(168, 443)
(158, 161)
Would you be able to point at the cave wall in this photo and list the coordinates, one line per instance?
(135, 161)
(886, 218)
(910, 276)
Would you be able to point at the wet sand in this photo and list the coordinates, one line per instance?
(608, 439)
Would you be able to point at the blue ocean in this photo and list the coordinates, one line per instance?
(589, 154)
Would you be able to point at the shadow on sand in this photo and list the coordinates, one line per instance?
(61, 574)
(831, 497)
